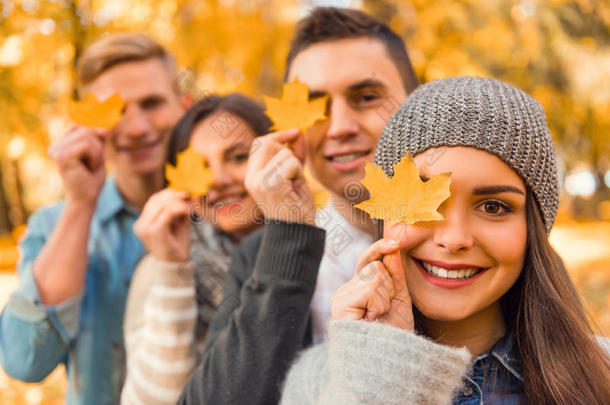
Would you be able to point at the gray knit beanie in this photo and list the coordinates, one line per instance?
(483, 113)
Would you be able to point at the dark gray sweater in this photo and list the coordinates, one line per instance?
(263, 320)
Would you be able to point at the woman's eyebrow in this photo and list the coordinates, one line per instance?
(497, 189)
(237, 146)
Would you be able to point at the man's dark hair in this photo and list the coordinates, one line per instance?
(237, 104)
(331, 24)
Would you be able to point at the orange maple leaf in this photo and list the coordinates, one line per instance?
(190, 173)
(404, 197)
(294, 109)
(93, 113)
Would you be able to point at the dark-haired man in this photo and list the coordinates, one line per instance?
(267, 314)
(364, 69)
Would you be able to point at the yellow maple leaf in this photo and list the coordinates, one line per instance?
(93, 113)
(190, 173)
(404, 197)
(294, 109)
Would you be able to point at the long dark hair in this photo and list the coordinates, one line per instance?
(561, 360)
(237, 104)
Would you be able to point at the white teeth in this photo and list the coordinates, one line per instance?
(348, 157)
(227, 201)
(461, 274)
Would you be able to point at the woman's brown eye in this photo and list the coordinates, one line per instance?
(492, 207)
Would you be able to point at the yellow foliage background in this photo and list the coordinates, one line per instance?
(556, 50)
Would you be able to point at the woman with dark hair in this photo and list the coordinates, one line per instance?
(475, 308)
(178, 285)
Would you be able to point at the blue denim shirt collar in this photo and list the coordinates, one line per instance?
(495, 376)
(110, 202)
(506, 353)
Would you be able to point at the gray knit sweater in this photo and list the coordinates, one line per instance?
(371, 363)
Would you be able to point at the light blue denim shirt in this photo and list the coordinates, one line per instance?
(85, 332)
(495, 377)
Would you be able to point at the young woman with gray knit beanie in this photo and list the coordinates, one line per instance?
(473, 309)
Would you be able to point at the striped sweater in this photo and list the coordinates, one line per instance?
(169, 307)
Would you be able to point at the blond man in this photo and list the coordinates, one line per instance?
(78, 255)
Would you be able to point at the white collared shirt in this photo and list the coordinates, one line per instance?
(344, 243)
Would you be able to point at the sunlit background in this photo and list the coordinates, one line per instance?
(558, 51)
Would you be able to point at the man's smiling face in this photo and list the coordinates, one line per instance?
(137, 145)
(364, 89)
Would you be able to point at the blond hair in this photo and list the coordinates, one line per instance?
(113, 49)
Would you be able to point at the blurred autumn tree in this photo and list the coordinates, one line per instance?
(557, 50)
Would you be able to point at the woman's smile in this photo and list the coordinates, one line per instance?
(448, 275)
(462, 265)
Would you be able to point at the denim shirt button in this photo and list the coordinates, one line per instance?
(468, 391)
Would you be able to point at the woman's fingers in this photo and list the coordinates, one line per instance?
(367, 295)
(376, 251)
(400, 313)
(163, 225)
(157, 204)
(378, 289)
(163, 198)
(396, 270)
(167, 199)
(378, 300)
(163, 221)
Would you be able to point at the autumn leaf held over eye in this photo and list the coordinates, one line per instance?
(404, 197)
(190, 173)
(92, 113)
(294, 109)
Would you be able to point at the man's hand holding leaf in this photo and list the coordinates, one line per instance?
(79, 154)
(275, 176)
